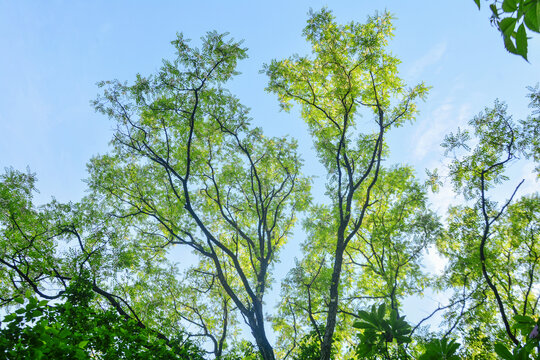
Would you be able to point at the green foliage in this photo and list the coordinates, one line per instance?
(492, 248)
(349, 75)
(381, 337)
(309, 347)
(528, 329)
(244, 350)
(512, 18)
(75, 330)
(388, 338)
(440, 349)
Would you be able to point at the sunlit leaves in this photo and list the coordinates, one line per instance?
(492, 246)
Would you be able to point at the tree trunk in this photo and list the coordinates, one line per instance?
(326, 346)
(264, 346)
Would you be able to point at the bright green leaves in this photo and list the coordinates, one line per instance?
(499, 141)
(492, 248)
(531, 126)
(349, 74)
(398, 227)
(349, 69)
(512, 17)
(188, 169)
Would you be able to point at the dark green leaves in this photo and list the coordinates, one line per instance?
(441, 349)
(74, 330)
(503, 352)
(514, 12)
(377, 331)
(509, 5)
(521, 41)
(507, 26)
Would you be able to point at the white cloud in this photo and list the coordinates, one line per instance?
(531, 183)
(433, 261)
(431, 132)
(433, 56)
(443, 120)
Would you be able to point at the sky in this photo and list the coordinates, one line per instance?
(54, 52)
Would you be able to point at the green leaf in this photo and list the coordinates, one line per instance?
(477, 2)
(82, 344)
(509, 5)
(393, 315)
(521, 41)
(532, 16)
(503, 352)
(403, 339)
(364, 315)
(524, 319)
(10, 317)
(509, 45)
(381, 311)
(538, 15)
(19, 300)
(507, 26)
(494, 10)
(452, 348)
(64, 333)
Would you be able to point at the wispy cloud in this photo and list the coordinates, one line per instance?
(444, 119)
(434, 263)
(532, 182)
(432, 57)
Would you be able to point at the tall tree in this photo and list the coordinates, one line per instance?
(187, 169)
(382, 264)
(349, 74)
(492, 243)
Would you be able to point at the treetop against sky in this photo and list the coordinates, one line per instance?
(56, 52)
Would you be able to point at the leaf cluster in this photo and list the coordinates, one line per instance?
(512, 18)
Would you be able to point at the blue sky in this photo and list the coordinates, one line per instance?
(54, 52)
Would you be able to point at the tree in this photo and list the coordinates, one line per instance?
(73, 330)
(382, 264)
(188, 169)
(350, 74)
(492, 249)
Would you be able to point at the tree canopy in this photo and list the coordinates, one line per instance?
(187, 173)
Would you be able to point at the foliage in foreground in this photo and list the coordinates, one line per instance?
(73, 329)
